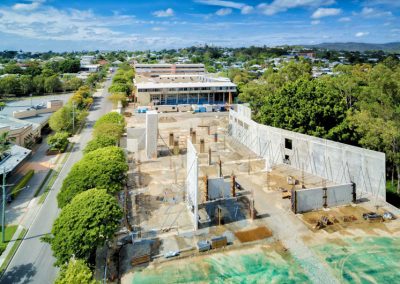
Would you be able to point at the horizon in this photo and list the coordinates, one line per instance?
(59, 26)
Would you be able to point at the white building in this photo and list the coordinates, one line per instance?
(183, 89)
(160, 69)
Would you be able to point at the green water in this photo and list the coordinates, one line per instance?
(261, 267)
(364, 260)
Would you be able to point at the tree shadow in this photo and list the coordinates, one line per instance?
(19, 274)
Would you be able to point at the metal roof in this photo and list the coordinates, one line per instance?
(184, 85)
(18, 155)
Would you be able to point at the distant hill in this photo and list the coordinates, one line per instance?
(359, 46)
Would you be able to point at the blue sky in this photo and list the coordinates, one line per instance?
(41, 25)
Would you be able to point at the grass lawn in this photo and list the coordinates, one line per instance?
(10, 230)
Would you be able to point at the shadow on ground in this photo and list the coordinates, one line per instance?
(19, 274)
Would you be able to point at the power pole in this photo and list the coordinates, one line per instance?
(3, 211)
(73, 117)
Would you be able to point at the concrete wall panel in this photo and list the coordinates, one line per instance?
(309, 199)
(333, 161)
(218, 188)
(339, 195)
(192, 195)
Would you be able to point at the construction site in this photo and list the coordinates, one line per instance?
(217, 186)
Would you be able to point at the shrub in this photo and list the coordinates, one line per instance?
(58, 141)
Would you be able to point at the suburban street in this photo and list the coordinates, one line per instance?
(33, 261)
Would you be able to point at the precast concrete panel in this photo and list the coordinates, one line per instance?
(218, 188)
(151, 134)
(331, 160)
(339, 195)
(139, 134)
(309, 199)
(192, 169)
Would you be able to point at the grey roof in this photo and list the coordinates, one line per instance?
(23, 104)
(18, 155)
(14, 123)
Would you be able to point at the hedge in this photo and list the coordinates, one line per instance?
(22, 183)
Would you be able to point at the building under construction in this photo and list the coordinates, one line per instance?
(195, 178)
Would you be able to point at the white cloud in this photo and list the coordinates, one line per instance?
(277, 6)
(48, 23)
(345, 19)
(315, 22)
(247, 9)
(157, 29)
(374, 13)
(361, 34)
(224, 12)
(244, 8)
(164, 13)
(28, 6)
(325, 12)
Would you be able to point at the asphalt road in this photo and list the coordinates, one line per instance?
(33, 261)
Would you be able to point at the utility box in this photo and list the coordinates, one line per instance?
(219, 242)
(203, 246)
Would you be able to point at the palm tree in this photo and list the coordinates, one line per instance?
(5, 144)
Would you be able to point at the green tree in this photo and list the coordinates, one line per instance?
(76, 271)
(101, 141)
(86, 223)
(10, 85)
(38, 83)
(116, 97)
(58, 141)
(5, 144)
(109, 129)
(101, 168)
(26, 84)
(70, 66)
(52, 84)
(111, 117)
(307, 106)
(61, 120)
(72, 84)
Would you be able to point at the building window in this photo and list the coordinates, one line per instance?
(288, 144)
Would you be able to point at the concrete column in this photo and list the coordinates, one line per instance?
(194, 137)
(176, 147)
(233, 187)
(202, 145)
(151, 134)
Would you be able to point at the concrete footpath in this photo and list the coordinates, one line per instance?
(23, 209)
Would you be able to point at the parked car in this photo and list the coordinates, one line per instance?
(372, 216)
(172, 254)
(388, 216)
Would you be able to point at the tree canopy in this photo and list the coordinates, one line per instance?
(86, 223)
(103, 168)
(76, 271)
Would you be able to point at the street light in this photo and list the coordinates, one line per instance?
(3, 209)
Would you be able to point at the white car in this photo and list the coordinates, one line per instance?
(171, 254)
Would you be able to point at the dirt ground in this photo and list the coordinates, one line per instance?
(253, 234)
(159, 208)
